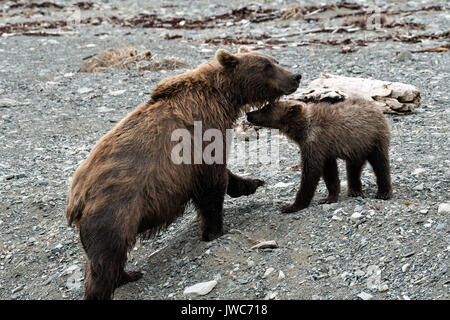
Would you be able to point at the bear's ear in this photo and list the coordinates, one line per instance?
(244, 49)
(226, 59)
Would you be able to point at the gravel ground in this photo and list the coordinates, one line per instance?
(396, 249)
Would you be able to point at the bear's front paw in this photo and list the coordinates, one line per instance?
(258, 183)
(129, 276)
(290, 208)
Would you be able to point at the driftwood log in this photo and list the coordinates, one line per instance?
(391, 97)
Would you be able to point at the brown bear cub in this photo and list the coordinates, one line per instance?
(353, 130)
(129, 184)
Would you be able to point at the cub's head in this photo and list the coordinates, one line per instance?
(276, 115)
(257, 77)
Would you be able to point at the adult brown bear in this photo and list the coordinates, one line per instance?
(129, 184)
(354, 130)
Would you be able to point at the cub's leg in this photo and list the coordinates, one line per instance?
(208, 197)
(354, 170)
(379, 160)
(331, 177)
(238, 186)
(311, 174)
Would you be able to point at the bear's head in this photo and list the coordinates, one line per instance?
(257, 77)
(276, 115)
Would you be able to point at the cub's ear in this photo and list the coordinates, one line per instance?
(294, 107)
(226, 58)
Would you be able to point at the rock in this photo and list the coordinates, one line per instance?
(365, 296)
(383, 288)
(117, 92)
(281, 275)
(31, 240)
(444, 208)
(405, 267)
(418, 171)
(441, 226)
(265, 244)
(84, 90)
(17, 289)
(424, 211)
(250, 263)
(200, 289)
(271, 295)
(359, 273)
(419, 187)
(404, 56)
(282, 185)
(268, 272)
(104, 109)
(74, 280)
(356, 216)
(6, 102)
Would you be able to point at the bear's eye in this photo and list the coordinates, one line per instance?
(268, 66)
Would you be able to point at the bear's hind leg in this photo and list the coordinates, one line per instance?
(331, 178)
(106, 249)
(354, 170)
(238, 186)
(379, 160)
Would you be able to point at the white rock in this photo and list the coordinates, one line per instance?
(250, 263)
(383, 288)
(282, 185)
(418, 171)
(200, 289)
(365, 296)
(104, 109)
(405, 267)
(74, 281)
(356, 216)
(6, 102)
(117, 92)
(419, 187)
(84, 90)
(444, 208)
(271, 295)
(265, 244)
(281, 275)
(268, 272)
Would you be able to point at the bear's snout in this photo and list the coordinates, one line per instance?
(297, 77)
(250, 117)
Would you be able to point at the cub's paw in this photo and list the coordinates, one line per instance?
(355, 193)
(210, 236)
(384, 195)
(329, 199)
(290, 208)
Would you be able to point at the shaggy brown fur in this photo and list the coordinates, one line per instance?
(128, 185)
(353, 130)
